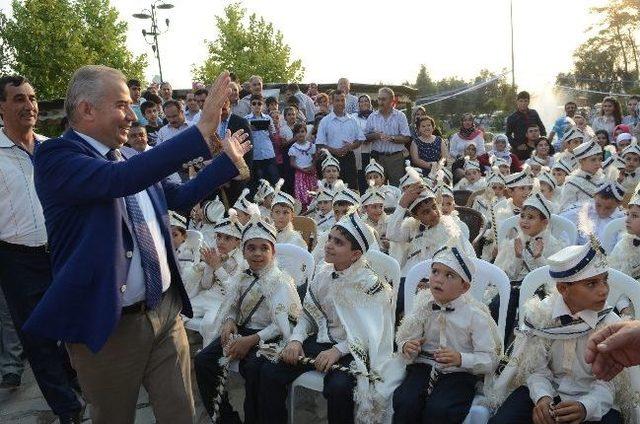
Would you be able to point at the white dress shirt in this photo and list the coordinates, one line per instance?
(338, 131)
(21, 217)
(168, 131)
(135, 286)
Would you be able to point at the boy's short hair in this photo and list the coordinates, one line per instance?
(146, 106)
(200, 91)
(181, 230)
(271, 100)
(299, 126)
(350, 238)
(133, 83)
(153, 98)
(523, 95)
(532, 208)
(256, 97)
(170, 103)
(532, 125)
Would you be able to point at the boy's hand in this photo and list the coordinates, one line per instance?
(327, 358)
(570, 412)
(292, 352)
(211, 257)
(228, 328)
(542, 411)
(410, 194)
(517, 246)
(240, 347)
(448, 357)
(412, 348)
(538, 247)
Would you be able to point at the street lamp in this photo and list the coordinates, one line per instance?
(155, 31)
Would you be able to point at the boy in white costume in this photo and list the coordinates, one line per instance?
(347, 320)
(324, 216)
(330, 171)
(264, 196)
(375, 172)
(583, 183)
(519, 186)
(261, 305)
(547, 378)
(561, 169)
(448, 208)
(449, 340)
(548, 186)
(245, 208)
(630, 176)
(473, 179)
(282, 213)
(373, 202)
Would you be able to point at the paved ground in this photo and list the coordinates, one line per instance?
(27, 406)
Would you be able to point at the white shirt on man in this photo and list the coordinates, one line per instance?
(21, 217)
(135, 278)
(337, 131)
(169, 131)
(393, 125)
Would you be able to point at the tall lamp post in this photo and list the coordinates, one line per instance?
(155, 30)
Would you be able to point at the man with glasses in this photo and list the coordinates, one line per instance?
(388, 131)
(264, 157)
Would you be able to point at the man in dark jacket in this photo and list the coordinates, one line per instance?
(517, 124)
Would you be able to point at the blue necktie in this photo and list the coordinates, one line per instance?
(148, 253)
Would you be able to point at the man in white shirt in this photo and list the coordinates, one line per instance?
(351, 101)
(192, 107)
(177, 122)
(166, 91)
(25, 272)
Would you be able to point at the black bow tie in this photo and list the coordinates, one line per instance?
(334, 275)
(516, 211)
(422, 227)
(630, 174)
(566, 319)
(327, 185)
(437, 307)
(251, 273)
(636, 242)
(588, 177)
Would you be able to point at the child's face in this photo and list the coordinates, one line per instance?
(542, 149)
(331, 174)
(448, 205)
(532, 222)
(572, 144)
(472, 175)
(622, 144)
(504, 169)
(226, 243)
(560, 175)
(445, 284)
(374, 212)
(243, 217)
(196, 213)
(633, 220)
(579, 120)
(272, 107)
(324, 206)
(377, 178)
(427, 212)
(605, 206)
(290, 117)
(338, 251)
(535, 169)
(301, 135)
(519, 194)
(256, 107)
(267, 201)
(589, 294)
(498, 189)
(591, 164)
(546, 190)
(633, 161)
(258, 253)
(281, 215)
(470, 151)
(151, 114)
(177, 236)
(602, 140)
(340, 209)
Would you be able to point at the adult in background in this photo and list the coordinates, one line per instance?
(351, 101)
(135, 93)
(563, 123)
(340, 134)
(116, 293)
(25, 271)
(632, 119)
(176, 122)
(609, 117)
(191, 110)
(613, 348)
(427, 149)
(166, 92)
(468, 133)
(240, 107)
(305, 102)
(517, 124)
(363, 153)
(388, 130)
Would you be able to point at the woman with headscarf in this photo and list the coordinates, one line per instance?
(468, 134)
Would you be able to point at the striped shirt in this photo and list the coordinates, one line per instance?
(395, 124)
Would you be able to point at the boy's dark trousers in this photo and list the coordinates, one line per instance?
(275, 379)
(449, 401)
(208, 373)
(518, 409)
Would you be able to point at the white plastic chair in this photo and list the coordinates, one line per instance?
(560, 226)
(486, 273)
(296, 261)
(386, 267)
(611, 232)
(619, 284)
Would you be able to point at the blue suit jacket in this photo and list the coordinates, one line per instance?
(90, 235)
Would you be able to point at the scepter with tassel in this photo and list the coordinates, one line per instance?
(271, 351)
(222, 384)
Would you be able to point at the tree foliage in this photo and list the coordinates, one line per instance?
(248, 46)
(47, 40)
(608, 60)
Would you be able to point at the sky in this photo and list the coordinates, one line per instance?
(381, 41)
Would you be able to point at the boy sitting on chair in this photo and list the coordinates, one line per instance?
(261, 304)
(373, 204)
(519, 186)
(264, 196)
(324, 209)
(583, 183)
(375, 172)
(473, 179)
(282, 213)
(347, 320)
(552, 381)
(449, 339)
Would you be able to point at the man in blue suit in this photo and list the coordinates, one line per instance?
(116, 294)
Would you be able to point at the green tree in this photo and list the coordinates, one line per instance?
(424, 84)
(47, 40)
(248, 47)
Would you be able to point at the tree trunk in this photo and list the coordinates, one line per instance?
(624, 53)
(634, 49)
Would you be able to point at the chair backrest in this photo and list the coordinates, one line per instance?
(307, 228)
(560, 227)
(386, 267)
(473, 219)
(473, 196)
(619, 284)
(611, 232)
(296, 261)
(462, 196)
(486, 273)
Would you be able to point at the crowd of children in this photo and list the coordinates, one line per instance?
(429, 363)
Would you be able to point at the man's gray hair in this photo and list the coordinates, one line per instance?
(387, 91)
(87, 85)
